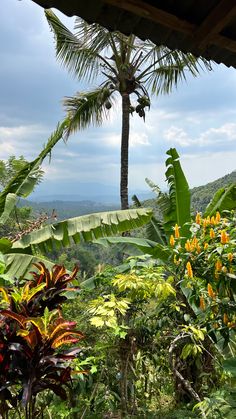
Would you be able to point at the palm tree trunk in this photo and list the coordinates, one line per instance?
(124, 167)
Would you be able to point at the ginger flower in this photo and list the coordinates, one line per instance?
(225, 319)
(213, 220)
(177, 235)
(198, 248)
(172, 240)
(230, 257)
(217, 217)
(212, 233)
(218, 265)
(202, 303)
(189, 270)
(224, 237)
(198, 218)
(188, 246)
(206, 246)
(210, 291)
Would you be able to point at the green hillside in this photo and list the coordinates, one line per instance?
(202, 195)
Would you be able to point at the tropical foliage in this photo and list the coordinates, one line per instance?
(35, 341)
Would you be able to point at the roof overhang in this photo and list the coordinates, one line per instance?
(202, 27)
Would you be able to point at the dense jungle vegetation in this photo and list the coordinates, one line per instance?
(151, 336)
(143, 324)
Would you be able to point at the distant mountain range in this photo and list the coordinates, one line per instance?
(74, 205)
(96, 192)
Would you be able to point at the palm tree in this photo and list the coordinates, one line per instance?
(129, 68)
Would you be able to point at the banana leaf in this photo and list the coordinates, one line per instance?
(224, 199)
(87, 228)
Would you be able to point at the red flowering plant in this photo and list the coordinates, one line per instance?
(35, 341)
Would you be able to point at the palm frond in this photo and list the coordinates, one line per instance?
(95, 37)
(167, 68)
(26, 179)
(74, 52)
(87, 108)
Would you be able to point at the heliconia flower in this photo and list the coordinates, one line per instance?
(212, 233)
(210, 291)
(218, 265)
(217, 217)
(230, 257)
(224, 237)
(189, 270)
(177, 235)
(202, 303)
(206, 246)
(198, 218)
(188, 246)
(172, 240)
(225, 319)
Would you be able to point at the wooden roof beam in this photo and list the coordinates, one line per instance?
(146, 11)
(217, 19)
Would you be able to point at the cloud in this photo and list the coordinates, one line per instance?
(136, 139)
(221, 136)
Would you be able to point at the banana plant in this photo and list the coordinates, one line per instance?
(223, 200)
(174, 208)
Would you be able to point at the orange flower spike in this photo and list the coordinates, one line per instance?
(189, 270)
(225, 319)
(172, 240)
(210, 291)
(202, 303)
(198, 248)
(188, 246)
(213, 220)
(177, 235)
(217, 217)
(224, 237)
(230, 257)
(205, 223)
(206, 245)
(198, 218)
(208, 220)
(212, 233)
(218, 265)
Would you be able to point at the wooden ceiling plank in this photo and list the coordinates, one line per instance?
(217, 19)
(146, 11)
(224, 42)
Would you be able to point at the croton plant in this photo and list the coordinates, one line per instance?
(36, 342)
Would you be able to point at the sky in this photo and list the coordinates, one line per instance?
(198, 119)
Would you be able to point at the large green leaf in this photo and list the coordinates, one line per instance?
(178, 210)
(19, 265)
(25, 180)
(224, 199)
(86, 227)
(146, 246)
